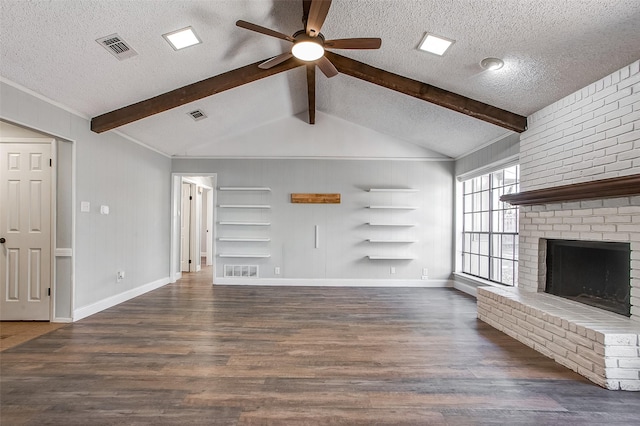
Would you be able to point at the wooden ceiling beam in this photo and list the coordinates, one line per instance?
(426, 92)
(187, 94)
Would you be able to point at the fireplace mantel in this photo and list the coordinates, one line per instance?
(624, 186)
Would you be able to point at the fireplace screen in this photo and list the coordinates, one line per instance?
(593, 273)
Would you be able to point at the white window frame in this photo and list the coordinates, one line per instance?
(491, 245)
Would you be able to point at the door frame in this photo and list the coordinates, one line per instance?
(186, 237)
(176, 196)
(52, 142)
(68, 252)
(210, 225)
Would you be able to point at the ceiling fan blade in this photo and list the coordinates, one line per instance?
(354, 43)
(317, 14)
(275, 61)
(327, 67)
(311, 92)
(262, 30)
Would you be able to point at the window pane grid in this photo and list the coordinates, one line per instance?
(490, 227)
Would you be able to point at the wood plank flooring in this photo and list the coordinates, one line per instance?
(193, 353)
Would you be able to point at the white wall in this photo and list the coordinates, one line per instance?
(343, 231)
(110, 170)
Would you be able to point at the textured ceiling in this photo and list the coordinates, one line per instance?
(551, 48)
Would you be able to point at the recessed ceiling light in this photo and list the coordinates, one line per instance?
(435, 44)
(182, 38)
(491, 64)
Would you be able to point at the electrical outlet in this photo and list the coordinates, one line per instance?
(392, 270)
(276, 270)
(119, 276)
(425, 272)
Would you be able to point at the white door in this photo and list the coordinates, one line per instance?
(185, 228)
(25, 226)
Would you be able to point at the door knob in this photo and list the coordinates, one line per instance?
(2, 240)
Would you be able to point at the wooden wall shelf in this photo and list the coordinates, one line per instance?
(315, 198)
(624, 186)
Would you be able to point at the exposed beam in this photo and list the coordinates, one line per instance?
(187, 94)
(311, 91)
(426, 92)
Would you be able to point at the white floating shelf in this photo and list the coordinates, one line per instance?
(371, 240)
(390, 258)
(245, 223)
(244, 188)
(390, 224)
(393, 207)
(256, 256)
(243, 240)
(244, 206)
(392, 190)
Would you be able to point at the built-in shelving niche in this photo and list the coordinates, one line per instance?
(391, 232)
(244, 222)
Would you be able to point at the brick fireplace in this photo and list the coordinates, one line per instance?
(588, 137)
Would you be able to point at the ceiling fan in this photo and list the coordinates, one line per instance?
(309, 43)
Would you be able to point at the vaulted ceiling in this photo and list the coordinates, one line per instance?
(550, 48)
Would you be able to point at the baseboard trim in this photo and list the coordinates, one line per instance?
(63, 320)
(331, 282)
(177, 276)
(470, 289)
(109, 302)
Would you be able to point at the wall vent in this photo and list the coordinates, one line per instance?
(197, 115)
(117, 46)
(241, 271)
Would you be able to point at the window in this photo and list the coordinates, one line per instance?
(490, 227)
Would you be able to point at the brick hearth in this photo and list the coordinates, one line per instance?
(601, 346)
(591, 135)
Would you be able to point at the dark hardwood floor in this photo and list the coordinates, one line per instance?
(192, 353)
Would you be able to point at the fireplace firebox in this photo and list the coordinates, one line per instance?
(591, 272)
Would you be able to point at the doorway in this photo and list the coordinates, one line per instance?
(25, 236)
(192, 226)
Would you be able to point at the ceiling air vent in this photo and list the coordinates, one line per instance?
(117, 46)
(197, 115)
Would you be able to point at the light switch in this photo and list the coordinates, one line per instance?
(85, 206)
(104, 209)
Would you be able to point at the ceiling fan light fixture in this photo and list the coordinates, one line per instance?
(307, 50)
(492, 64)
(182, 38)
(435, 44)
